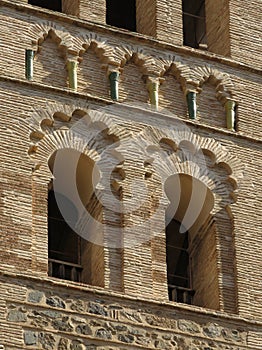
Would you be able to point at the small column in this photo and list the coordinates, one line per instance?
(230, 114)
(72, 74)
(191, 104)
(29, 64)
(153, 87)
(113, 79)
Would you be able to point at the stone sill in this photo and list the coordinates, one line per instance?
(145, 39)
(188, 309)
(107, 101)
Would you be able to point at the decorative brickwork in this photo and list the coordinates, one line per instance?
(152, 132)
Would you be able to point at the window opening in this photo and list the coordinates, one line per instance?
(194, 24)
(178, 264)
(121, 14)
(55, 5)
(64, 244)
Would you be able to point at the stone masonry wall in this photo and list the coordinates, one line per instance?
(50, 315)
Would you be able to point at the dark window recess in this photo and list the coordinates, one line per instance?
(63, 243)
(55, 5)
(178, 269)
(194, 24)
(121, 14)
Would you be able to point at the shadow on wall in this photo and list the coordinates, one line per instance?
(50, 64)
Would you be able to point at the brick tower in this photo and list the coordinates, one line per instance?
(130, 187)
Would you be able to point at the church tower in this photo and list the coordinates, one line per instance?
(130, 186)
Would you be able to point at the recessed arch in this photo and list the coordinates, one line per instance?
(75, 177)
(191, 242)
(49, 62)
(211, 109)
(92, 74)
(132, 84)
(171, 93)
(191, 201)
(39, 31)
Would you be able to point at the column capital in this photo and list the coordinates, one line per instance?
(112, 68)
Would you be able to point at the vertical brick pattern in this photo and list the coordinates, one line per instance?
(169, 21)
(71, 7)
(93, 10)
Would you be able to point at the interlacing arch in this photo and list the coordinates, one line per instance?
(61, 118)
(116, 56)
(167, 151)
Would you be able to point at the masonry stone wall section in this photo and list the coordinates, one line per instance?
(51, 315)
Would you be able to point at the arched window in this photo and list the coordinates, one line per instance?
(72, 253)
(191, 254)
(194, 23)
(178, 264)
(121, 14)
(64, 254)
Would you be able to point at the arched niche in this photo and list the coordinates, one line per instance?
(92, 77)
(191, 201)
(132, 87)
(210, 109)
(75, 176)
(171, 95)
(49, 62)
(191, 204)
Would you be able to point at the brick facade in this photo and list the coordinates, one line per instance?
(146, 154)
